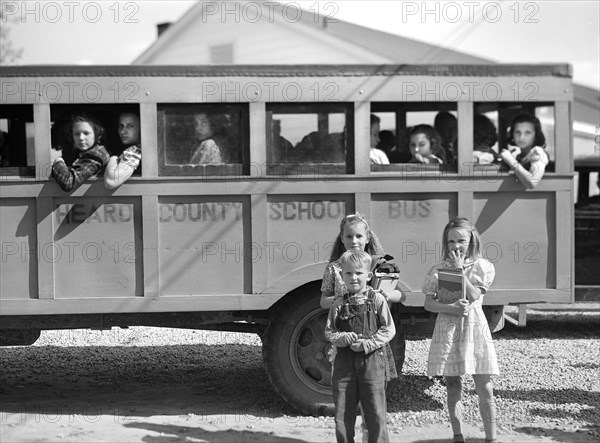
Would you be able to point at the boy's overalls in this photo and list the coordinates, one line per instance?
(358, 376)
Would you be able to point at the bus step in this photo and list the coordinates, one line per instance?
(521, 320)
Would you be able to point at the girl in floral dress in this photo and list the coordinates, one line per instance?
(462, 342)
(355, 235)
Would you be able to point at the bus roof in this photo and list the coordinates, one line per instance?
(519, 70)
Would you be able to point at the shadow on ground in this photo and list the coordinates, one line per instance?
(557, 434)
(176, 434)
(145, 381)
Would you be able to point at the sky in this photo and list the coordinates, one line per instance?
(509, 31)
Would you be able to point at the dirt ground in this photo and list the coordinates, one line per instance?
(165, 386)
(68, 412)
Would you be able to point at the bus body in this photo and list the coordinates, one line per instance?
(242, 245)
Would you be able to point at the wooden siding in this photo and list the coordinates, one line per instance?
(260, 43)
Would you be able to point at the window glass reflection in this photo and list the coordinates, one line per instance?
(309, 134)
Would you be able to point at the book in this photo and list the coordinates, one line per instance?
(385, 273)
(385, 282)
(451, 285)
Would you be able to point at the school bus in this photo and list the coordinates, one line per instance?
(242, 245)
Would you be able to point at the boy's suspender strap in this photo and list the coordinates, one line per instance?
(371, 296)
(371, 299)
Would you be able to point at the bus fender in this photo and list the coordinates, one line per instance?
(295, 279)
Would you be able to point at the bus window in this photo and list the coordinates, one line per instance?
(310, 134)
(203, 140)
(106, 115)
(432, 127)
(501, 114)
(17, 150)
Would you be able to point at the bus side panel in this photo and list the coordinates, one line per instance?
(18, 235)
(204, 245)
(98, 247)
(518, 234)
(410, 228)
(301, 230)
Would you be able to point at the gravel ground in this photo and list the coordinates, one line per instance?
(549, 383)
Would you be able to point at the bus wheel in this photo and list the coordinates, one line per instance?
(295, 353)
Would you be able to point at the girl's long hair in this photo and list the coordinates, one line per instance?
(474, 250)
(373, 246)
(539, 140)
(435, 140)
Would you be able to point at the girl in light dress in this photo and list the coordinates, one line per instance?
(462, 342)
(120, 168)
(207, 152)
(526, 153)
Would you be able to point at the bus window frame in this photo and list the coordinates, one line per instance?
(19, 115)
(401, 109)
(223, 170)
(504, 126)
(312, 168)
(107, 115)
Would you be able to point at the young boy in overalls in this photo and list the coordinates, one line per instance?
(359, 324)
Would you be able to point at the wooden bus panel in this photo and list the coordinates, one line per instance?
(522, 249)
(98, 247)
(410, 228)
(204, 245)
(413, 87)
(18, 236)
(301, 230)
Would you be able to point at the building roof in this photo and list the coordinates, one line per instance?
(395, 48)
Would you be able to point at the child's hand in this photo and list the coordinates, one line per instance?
(514, 150)
(506, 156)
(421, 159)
(461, 307)
(457, 257)
(510, 154)
(350, 338)
(358, 346)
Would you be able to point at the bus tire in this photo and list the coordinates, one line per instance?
(295, 353)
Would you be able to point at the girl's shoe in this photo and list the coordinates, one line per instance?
(458, 438)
